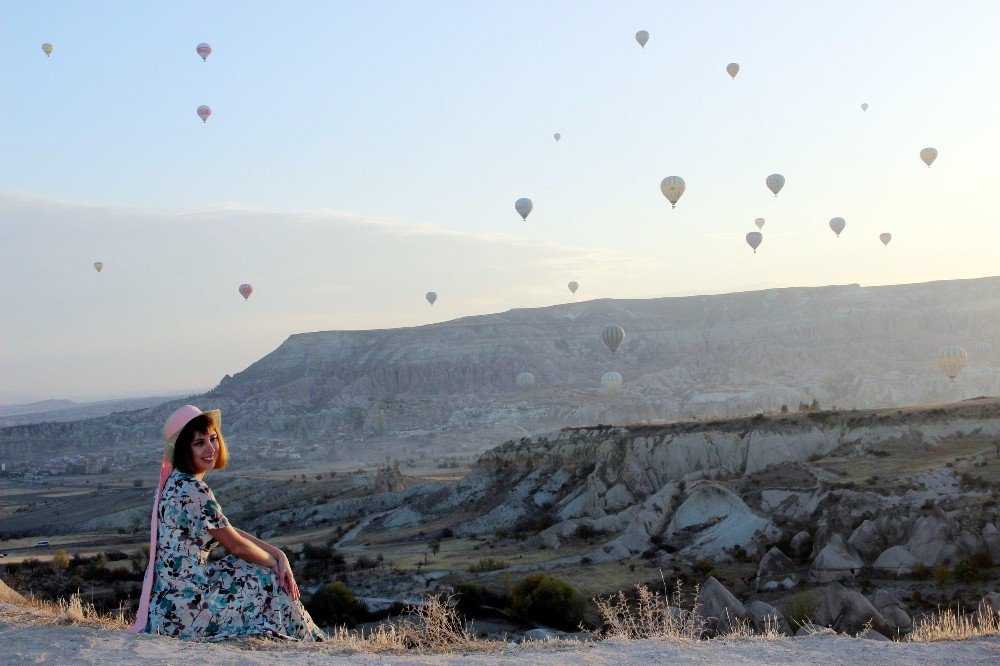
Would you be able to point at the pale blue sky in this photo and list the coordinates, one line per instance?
(362, 153)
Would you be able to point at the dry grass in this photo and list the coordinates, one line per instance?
(950, 625)
(75, 611)
(435, 627)
(655, 615)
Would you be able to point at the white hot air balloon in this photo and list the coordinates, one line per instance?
(525, 380)
(984, 349)
(204, 112)
(885, 238)
(573, 286)
(775, 182)
(245, 291)
(754, 239)
(612, 337)
(611, 381)
(47, 49)
(952, 359)
(642, 37)
(204, 50)
(431, 297)
(98, 266)
(864, 106)
(759, 222)
(733, 69)
(672, 188)
(523, 207)
(838, 224)
(557, 136)
(928, 155)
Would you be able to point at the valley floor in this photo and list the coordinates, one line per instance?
(23, 641)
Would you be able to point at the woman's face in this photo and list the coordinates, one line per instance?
(204, 451)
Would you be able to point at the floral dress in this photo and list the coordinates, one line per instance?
(209, 601)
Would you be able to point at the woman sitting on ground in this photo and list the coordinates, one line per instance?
(250, 592)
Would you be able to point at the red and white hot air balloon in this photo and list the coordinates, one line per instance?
(245, 290)
(204, 50)
(204, 112)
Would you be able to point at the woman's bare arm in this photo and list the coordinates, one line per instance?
(243, 548)
(263, 545)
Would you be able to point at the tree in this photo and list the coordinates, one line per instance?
(61, 559)
(548, 600)
(334, 604)
(784, 409)
(435, 547)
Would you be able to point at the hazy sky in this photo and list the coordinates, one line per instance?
(360, 154)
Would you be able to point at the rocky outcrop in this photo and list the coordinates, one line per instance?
(848, 611)
(897, 560)
(893, 611)
(836, 561)
(389, 479)
(776, 572)
(766, 617)
(719, 607)
(801, 543)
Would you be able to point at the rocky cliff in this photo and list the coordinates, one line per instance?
(452, 384)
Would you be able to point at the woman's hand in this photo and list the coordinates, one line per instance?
(285, 577)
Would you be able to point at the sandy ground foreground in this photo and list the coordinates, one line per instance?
(25, 643)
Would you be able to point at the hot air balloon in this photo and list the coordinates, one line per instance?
(47, 49)
(984, 349)
(885, 238)
(864, 106)
(928, 155)
(952, 360)
(672, 188)
(754, 239)
(523, 207)
(245, 291)
(759, 222)
(612, 337)
(775, 182)
(642, 37)
(204, 50)
(204, 112)
(838, 224)
(431, 297)
(557, 136)
(733, 69)
(611, 381)
(573, 286)
(98, 266)
(525, 379)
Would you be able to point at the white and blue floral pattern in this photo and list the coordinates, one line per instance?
(196, 599)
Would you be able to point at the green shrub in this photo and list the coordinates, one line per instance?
(799, 608)
(469, 598)
(334, 604)
(965, 571)
(921, 572)
(941, 574)
(488, 564)
(704, 567)
(548, 600)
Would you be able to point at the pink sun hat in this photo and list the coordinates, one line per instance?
(171, 429)
(180, 418)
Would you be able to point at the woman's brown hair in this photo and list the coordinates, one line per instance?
(199, 425)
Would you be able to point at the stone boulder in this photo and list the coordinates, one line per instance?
(776, 572)
(801, 544)
(836, 561)
(848, 612)
(872, 635)
(991, 535)
(719, 607)
(810, 629)
(873, 536)
(766, 616)
(931, 541)
(897, 560)
(726, 518)
(894, 612)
